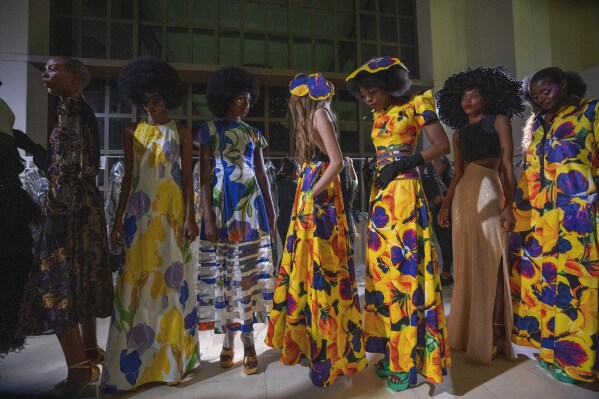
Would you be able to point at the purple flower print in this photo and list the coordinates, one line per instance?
(174, 276)
(171, 150)
(139, 203)
(140, 338)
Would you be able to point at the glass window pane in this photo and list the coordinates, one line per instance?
(302, 20)
(387, 29)
(302, 54)
(66, 7)
(368, 145)
(347, 56)
(181, 110)
(122, 9)
(324, 52)
(277, 18)
(253, 50)
(199, 106)
(177, 13)
(204, 13)
(388, 6)
(115, 128)
(406, 31)
(204, 47)
(150, 38)
(94, 95)
(229, 14)
(121, 41)
(94, 39)
(116, 103)
(346, 25)
(277, 102)
(258, 109)
(151, 10)
(323, 24)
(254, 14)
(368, 26)
(369, 51)
(345, 4)
(368, 5)
(228, 48)
(177, 45)
(408, 57)
(94, 8)
(278, 52)
(346, 106)
(278, 137)
(406, 8)
(66, 37)
(349, 138)
(100, 121)
(392, 51)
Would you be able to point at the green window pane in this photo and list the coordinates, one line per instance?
(94, 8)
(115, 128)
(388, 6)
(228, 48)
(121, 41)
(345, 4)
(368, 145)
(177, 45)
(94, 39)
(349, 138)
(204, 13)
(150, 38)
(324, 54)
(347, 56)
(177, 13)
(204, 47)
(277, 18)
(278, 137)
(301, 20)
(116, 103)
(257, 109)
(229, 14)
(346, 25)
(406, 31)
(278, 52)
(346, 106)
(409, 58)
(100, 121)
(66, 37)
(121, 9)
(199, 106)
(253, 50)
(66, 7)
(151, 10)
(254, 15)
(406, 8)
(277, 102)
(387, 29)
(302, 54)
(368, 5)
(323, 23)
(369, 51)
(392, 51)
(368, 26)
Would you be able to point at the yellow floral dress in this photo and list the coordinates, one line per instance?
(152, 334)
(554, 249)
(316, 310)
(404, 315)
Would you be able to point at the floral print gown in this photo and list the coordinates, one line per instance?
(554, 249)
(153, 330)
(234, 284)
(316, 310)
(404, 316)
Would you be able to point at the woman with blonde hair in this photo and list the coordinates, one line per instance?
(316, 312)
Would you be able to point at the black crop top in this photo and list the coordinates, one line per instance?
(479, 140)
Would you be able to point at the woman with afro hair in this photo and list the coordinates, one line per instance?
(479, 104)
(404, 317)
(554, 248)
(152, 335)
(235, 283)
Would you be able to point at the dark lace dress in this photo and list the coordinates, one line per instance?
(72, 280)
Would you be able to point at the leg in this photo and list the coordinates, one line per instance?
(80, 373)
(250, 360)
(227, 353)
(94, 353)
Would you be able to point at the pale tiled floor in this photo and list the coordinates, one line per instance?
(34, 371)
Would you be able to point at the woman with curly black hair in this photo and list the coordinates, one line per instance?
(480, 103)
(152, 335)
(404, 317)
(554, 249)
(235, 283)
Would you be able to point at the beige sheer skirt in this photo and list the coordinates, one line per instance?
(479, 249)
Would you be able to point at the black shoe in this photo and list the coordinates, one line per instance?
(446, 281)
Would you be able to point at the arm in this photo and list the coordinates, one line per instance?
(190, 227)
(262, 178)
(443, 216)
(506, 171)
(326, 131)
(206, 193)
(117, 233)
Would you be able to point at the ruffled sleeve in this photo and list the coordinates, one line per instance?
(259, 139)
(424, 108)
